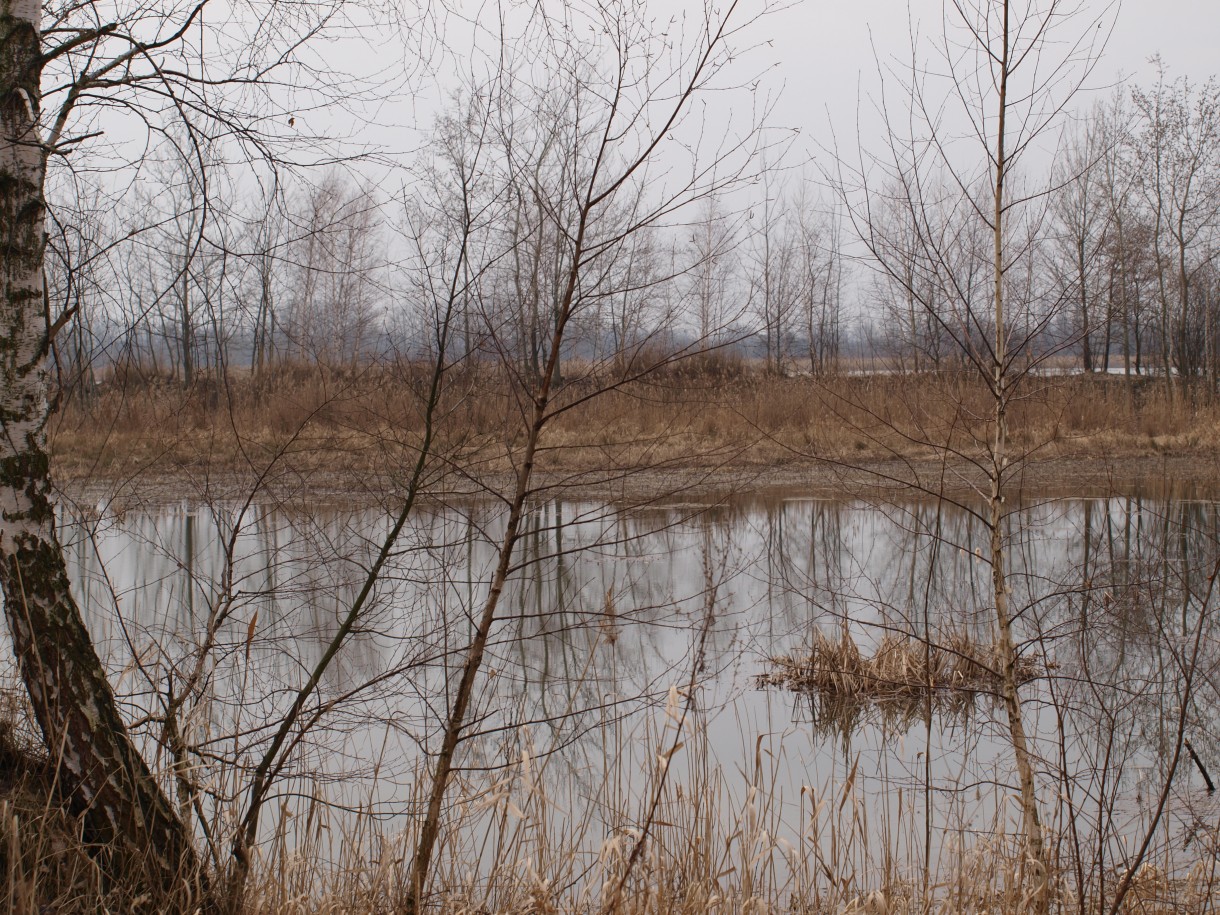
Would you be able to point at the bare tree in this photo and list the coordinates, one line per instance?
(1009, 68)
(1083, 218)
(820, 282)
(1177, 156)
(773, 274)
(580, 146)
(266, 248)
(1127, 264)
(710, 249)
(330, 307)
(62, 74)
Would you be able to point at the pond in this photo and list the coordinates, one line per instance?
(630, 643)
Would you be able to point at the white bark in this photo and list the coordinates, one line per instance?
(99, 771)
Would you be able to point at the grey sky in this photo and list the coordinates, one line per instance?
(824, 51)
(821, 56)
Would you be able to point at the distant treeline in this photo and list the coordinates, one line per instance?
(1115, 272)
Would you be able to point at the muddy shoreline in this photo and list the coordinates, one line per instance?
(1179, 476)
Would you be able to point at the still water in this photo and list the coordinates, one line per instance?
(611, 616)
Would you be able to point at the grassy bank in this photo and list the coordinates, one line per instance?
(306, 427)
(716, 425)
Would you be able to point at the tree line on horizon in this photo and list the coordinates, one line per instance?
(194, 269)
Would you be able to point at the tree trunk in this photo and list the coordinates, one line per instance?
(187, 334)
(1039, 897)
(1082, 273)
(100, 772)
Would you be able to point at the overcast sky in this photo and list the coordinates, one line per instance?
(824, 51)
(822, 58)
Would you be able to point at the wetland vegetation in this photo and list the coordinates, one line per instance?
(613, 517)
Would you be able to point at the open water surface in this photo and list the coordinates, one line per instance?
(610, 616)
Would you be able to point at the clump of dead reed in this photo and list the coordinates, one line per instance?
(903, 676)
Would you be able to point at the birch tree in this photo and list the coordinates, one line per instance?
(103, 774)
(63, 74)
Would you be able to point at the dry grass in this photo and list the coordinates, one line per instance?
(45, 866)
(309, 424)
(903, 677)
(720, 843)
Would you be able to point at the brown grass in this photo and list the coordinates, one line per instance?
(45, 866)
(903, 677)
(344, 429)
(721, 843)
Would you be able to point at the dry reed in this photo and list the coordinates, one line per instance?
(721, 843)
(900, 666)
(310, 424)
(903, 677)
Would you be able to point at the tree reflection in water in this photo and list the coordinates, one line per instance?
(602, 615)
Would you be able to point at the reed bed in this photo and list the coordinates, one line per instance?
(904, 674)
(718, 842)
(315, 424)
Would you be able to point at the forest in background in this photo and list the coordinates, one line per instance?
(200, 265)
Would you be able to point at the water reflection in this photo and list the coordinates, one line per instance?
(602, 617)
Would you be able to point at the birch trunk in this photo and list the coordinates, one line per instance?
(101, 773)
(1039, 897)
